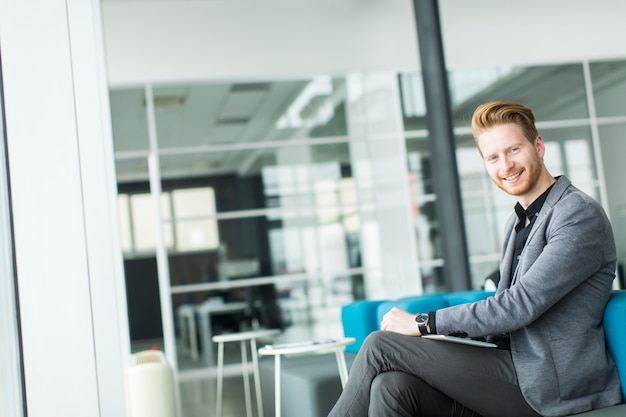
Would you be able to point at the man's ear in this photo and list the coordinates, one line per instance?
(540, 146)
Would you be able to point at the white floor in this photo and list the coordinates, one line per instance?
(198, 398)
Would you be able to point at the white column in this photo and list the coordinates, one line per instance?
(69, 271)
(10, 358)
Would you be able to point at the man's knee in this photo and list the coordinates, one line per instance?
(383, 394)
(385, 384)
(393, 382)
(392, 393)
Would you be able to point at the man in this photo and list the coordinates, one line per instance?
(556, 271)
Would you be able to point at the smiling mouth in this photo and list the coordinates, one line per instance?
(512, 177)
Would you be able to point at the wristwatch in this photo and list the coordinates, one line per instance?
(422, 322)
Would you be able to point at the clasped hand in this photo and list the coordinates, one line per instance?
(400, 321)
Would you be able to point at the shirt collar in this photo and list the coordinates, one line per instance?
(533, 210)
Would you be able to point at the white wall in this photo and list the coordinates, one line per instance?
(240, 39)
(161, 41)
(495, 32)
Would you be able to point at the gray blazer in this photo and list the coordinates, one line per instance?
(554, 306)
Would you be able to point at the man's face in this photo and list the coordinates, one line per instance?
(513, 162)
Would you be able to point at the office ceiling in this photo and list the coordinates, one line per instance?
(201, 129)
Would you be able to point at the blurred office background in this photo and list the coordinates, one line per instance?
(270, 161)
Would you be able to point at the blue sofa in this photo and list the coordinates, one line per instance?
(360, 318)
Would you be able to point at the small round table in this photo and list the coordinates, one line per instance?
(242, 337)
(336, 345)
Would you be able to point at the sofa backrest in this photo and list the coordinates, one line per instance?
(416, 304)
(431, 302)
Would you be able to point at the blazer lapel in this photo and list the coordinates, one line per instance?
(507, 260)
(555, 195)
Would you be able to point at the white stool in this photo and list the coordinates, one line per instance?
(252, 336)
(337, 346)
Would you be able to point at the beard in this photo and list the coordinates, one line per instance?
(529, 177)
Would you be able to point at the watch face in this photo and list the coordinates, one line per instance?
(421, 318)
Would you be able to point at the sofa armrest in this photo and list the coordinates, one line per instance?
(359, 320)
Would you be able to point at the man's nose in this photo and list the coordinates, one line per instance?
(506, 163)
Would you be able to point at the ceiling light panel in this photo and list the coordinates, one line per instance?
(242, 103)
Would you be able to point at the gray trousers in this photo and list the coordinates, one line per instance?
(404, 376)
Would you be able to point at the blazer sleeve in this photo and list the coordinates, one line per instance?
(571, 243)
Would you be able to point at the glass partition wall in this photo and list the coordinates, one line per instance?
(246, 205)
(274, 203)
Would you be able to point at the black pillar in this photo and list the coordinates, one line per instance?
(443, 157)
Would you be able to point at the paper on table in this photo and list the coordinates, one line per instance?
(300, 344)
